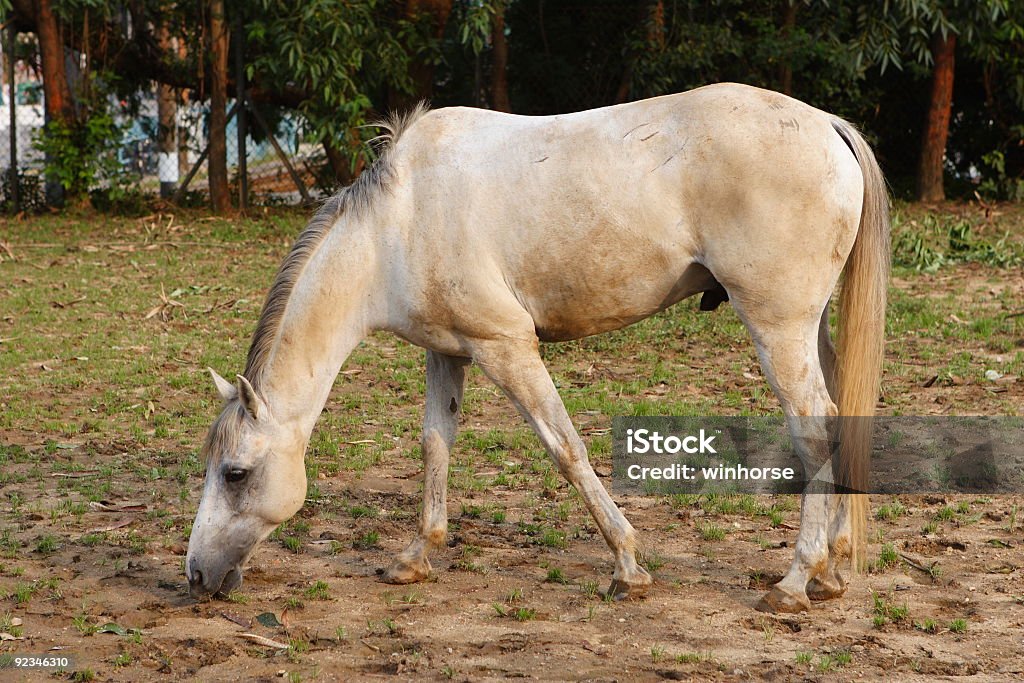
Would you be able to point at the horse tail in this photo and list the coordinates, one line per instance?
(861, 342)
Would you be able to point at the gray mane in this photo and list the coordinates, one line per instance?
(356, 197)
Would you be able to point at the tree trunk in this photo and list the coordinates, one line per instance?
(421, 71)
(936, 128)
(59, 106)
(499, 66)
(220, 195)
(786, 61)
(55, 80)
(338, 163)
(651, 15)
(167, 134)
(166, 140)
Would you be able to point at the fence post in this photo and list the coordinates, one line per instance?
(167, 157)
(12, 91)
(240, 98)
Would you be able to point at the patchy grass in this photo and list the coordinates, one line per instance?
(886, 611)
(107, 327)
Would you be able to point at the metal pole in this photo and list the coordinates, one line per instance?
(301, 186)
(180, 192)
(12, 92)
(243, 172)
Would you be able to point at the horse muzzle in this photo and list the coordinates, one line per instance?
(205, 583)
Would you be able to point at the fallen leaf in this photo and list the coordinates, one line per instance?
(244, 623)
(8, 636)
(261, 640)
(111, 627)
(110, 527)
(124, 507)
(68, 304)
(166, 307)
(269, 619)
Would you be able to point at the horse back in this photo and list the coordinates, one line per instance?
(593, 220)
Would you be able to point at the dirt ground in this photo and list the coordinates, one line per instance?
(698, 622)
(95, 520)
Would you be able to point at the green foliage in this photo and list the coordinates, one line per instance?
(475, 21)
(893, 33)
(79, 153)
(342, 56)
(744, 41)
(339, 64)
(935, 241)
(997, 184)
(82, 151)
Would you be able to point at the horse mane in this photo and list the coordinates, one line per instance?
(357, 197)
(223, 435)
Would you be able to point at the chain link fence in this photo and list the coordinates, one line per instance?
(160, 146)
(162, 134)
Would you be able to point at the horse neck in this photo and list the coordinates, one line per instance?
(332, 307)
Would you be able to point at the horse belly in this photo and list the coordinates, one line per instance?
(608, 300)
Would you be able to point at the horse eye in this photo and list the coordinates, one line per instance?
(235, 475)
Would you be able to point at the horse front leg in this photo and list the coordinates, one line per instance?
(517, 369)
(446, 378)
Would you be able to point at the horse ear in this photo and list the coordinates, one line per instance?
(251, 401)
(225, 388)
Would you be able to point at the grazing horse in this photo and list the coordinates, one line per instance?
(477, 235)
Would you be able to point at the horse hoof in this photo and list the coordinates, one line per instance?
(825, 590)
(778, 601)
(633, 587)
(403, 571)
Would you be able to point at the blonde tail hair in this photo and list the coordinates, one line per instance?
(861, 338)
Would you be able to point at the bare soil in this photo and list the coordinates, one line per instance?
(493, 609)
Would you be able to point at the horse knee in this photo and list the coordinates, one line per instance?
(571, 460)
(433, 443)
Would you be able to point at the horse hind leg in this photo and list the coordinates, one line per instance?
(789, 354)
(446, 378)
(831, 584)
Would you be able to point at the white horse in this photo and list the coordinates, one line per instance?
(477, 235)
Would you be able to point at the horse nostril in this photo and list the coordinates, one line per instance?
(196, 579)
